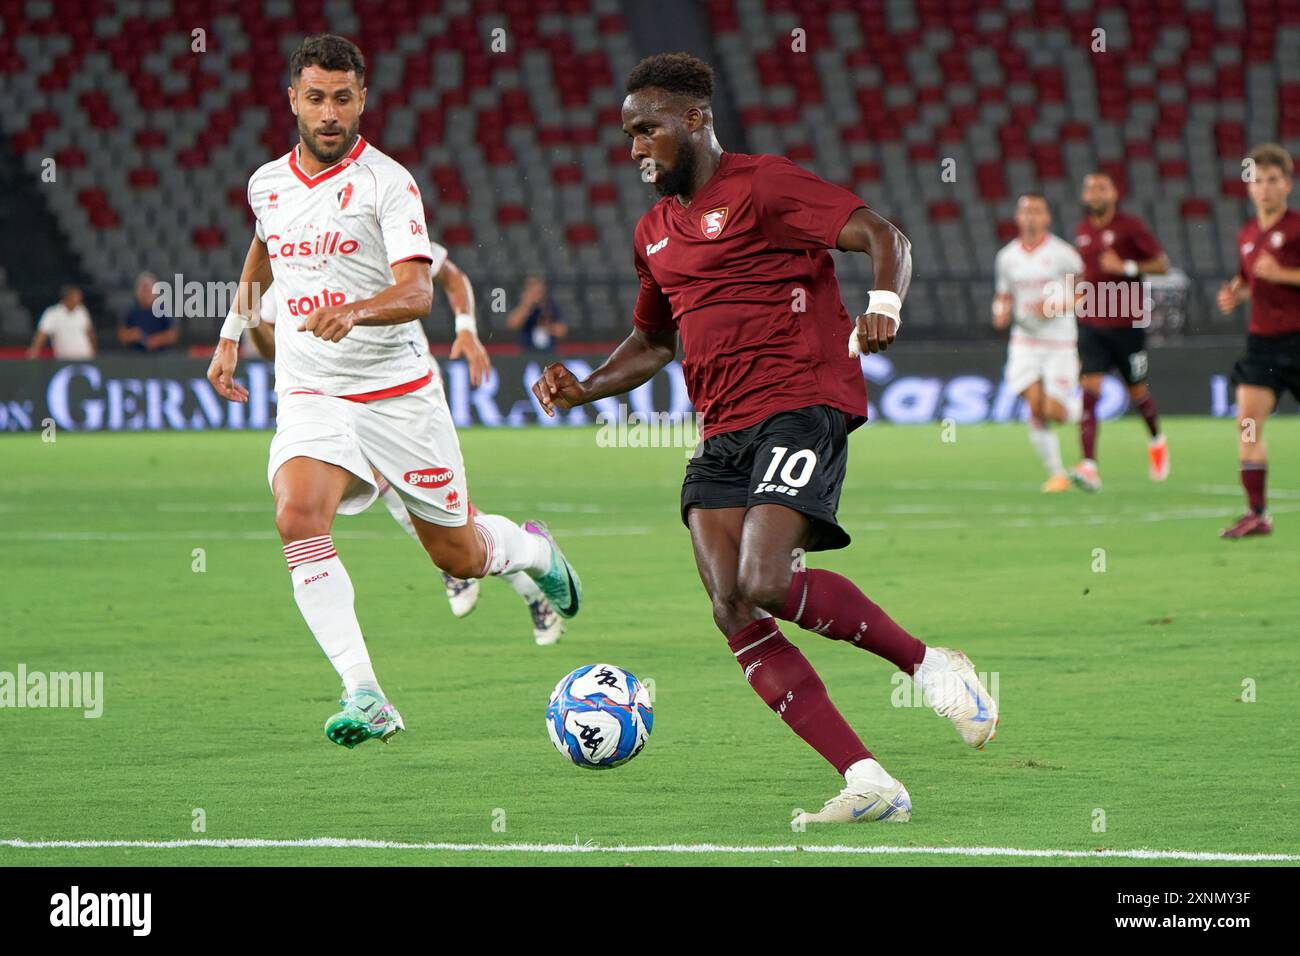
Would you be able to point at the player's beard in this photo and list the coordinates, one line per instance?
(322, 154)
(678, 180)
(1096, 210)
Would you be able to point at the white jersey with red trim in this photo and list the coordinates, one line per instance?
(1029, 275)
(333, 238)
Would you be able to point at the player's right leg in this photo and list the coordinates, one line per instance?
(1085, 474)
(308, 493)
(1043, 437)
(785, 681)
(1254, 404)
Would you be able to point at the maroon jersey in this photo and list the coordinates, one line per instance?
(1274, 306)
(1131, 239)
(744, 274)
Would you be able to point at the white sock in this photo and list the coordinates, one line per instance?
(524, 586)
(397, 508)
(868, 775)
(323, 590)
(511, 548)
(1073, 410)
(1048, 445)
(934, 661)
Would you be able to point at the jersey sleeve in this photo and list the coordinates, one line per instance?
(653, 311)
(1071, 261)
(46, 324)
(258, 229)
(798, 210)
(1001, 275)
(401, 220)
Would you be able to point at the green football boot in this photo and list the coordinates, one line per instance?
(365, 715)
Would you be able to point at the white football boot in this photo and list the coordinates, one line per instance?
(874, 795)
(547, 626)
(462, 595)
(951, 686)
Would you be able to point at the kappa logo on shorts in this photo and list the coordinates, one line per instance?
(429, 477)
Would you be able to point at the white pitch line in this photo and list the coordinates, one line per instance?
(128, 536)
(682, 848)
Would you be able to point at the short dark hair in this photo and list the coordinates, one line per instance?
(329, 52)
(677, 73)
(1273, 154)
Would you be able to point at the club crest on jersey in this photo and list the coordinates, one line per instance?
(1108, 237)
(1275, 240)
(344, 196)
(713, 221)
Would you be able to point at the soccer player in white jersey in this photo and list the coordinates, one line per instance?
(462, 594)
(341, 232)
(1035, 276)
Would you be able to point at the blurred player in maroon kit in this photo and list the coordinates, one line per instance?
(1269, 276)
(1117, 250)
(734, 258)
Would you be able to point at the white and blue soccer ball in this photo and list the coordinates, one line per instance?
(599, 716)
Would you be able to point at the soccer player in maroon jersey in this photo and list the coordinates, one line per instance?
(734, 258)
(1269, 276)
(1117, 250)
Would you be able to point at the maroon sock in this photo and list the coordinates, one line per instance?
(1254, 474)
(1088, 425)
(1148, 409)
(782, 676)
(832, 606)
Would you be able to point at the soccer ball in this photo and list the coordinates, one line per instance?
(599, 716)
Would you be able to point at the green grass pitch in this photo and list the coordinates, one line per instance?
(1121, 689)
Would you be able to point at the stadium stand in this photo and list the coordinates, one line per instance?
(524, 168)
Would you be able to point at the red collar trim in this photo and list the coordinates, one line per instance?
(1035, 246)
(328, 171)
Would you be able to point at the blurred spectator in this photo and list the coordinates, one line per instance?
(145, 329)
(66, 326)
(536, 318)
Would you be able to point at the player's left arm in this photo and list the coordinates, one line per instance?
(891, 258)
(1150, 258)
(455, 284)
(409, 297)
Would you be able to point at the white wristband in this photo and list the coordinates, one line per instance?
(233, 327)
(1130, 268)
(465, 323)
(883, 302)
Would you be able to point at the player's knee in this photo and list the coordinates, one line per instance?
(456, 562)
(296, 521)
(730, 613)
(764, 588)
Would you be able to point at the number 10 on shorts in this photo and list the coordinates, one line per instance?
(794, 473)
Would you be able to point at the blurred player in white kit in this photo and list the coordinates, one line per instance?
(341, 233)
(1035, 275)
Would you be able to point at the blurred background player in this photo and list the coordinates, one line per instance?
(1117, 250)
(340, 230)
(1269, 276)
(1034, 273)
(462, 594)
(778, 392)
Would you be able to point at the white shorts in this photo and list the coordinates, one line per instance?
(1055, 364)
(408, 439)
